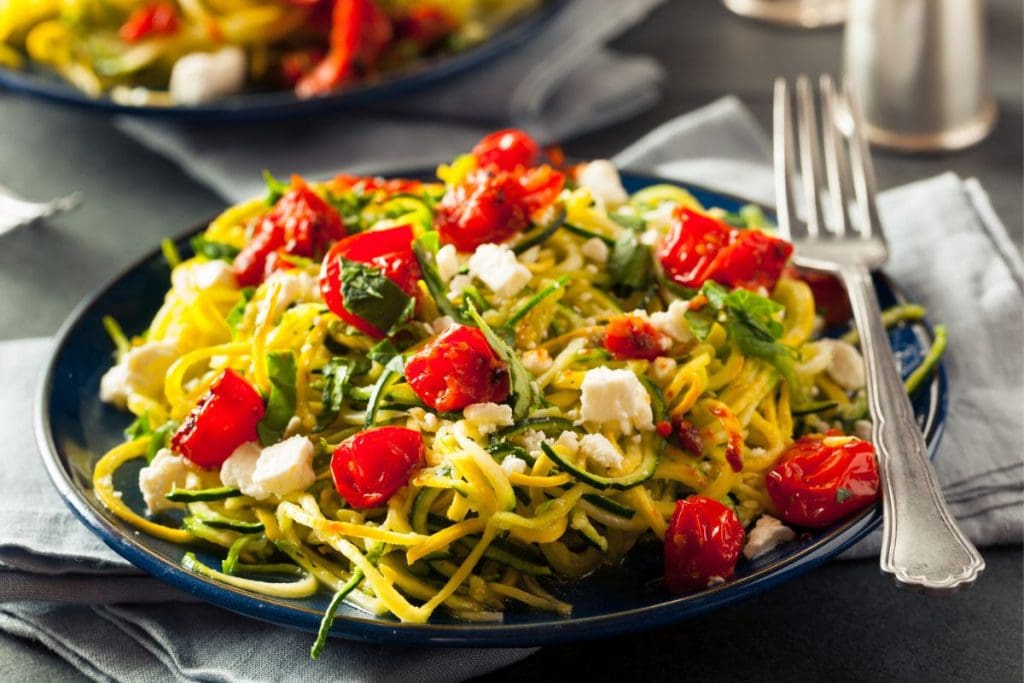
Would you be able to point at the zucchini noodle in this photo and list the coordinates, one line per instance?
(552, 487)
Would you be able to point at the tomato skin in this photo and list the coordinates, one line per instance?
(822, 478)
(425, 26)
(457, 368)
(829, 294)
(703, 541)
(486, 208)
(506, 150)
(344, 182)
(300, 224)
(542, 185)
(360, 31)
(224, 419)
(389, 250)
(369, 467)
(630, 336)
(701, 248)
(156, 18)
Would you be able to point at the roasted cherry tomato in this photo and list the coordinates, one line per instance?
(701, 248)
(370, 466)
(506, 150)
(542, 185)
(486, 208)
(829, 294)
(425, 26)
(630, 336)
(300, 224)
(224, 419)
(151, 19)
(360, 31)
(702, 544)
(457, 368)
(297, 63)
(388, 250)
(823, 478)
(367, 184)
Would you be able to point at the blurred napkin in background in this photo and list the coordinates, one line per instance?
(561, 83)
(949, 252)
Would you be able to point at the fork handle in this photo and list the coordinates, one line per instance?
(922, 547)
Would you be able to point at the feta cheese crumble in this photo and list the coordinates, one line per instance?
(512, 463)
(615, 397)
(200, 77)
(448, 262)
(595, 249)
(158, 478)
(602, 179)
(600, 451)
(537, 361)
(766, 534)
(141, 371)
(845, 365)
(487, 417)
(238, 469)
(673, 322)
(496, 266)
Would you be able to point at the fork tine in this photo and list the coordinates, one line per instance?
(860, 161)
(810, 167)
(836, 166)
(783, 153)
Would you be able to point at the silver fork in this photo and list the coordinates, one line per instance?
(15, 211)
(922, 547)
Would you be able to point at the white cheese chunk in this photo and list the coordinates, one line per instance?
(200, 77)
(845, 366)
(615, 397)
(487, 417)
(595, 249)
(532, 440)
(196, 276)
(662, 368)
(570, 441)
(496, 266)
(602, 180)
(673, 322)
(512, 463)
(766, 534)
(448, 262)
(158, 478)
(537, 361)
(459, 283)
(141, 371)
(238, 469)
(285, 467)
(600, 451)
(422, 421)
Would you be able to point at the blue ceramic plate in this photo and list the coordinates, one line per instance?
(74, 428)
(41, 82)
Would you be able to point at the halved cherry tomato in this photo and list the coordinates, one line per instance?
(388, 250)
(630, 336)
(457, 368)
(702, 544)
(701, 248)
(370, 466)
(300, 224)
(224, 419)
(823, 478)
(542, 185)
(425, 25)
(359, 33)
(830, 296)
(366, 184)
(506, 150)
(155, 18)
(486, 208)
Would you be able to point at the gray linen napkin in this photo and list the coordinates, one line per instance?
(949, 251)
(562, 82)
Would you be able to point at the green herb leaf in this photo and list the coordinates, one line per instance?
(630, 262)
(425, 248)
(374, 297)
(237, 312)
(213, 250)
(140, 427)
(523, 388)
(161, 437)
(275, 188)
(631, 222)
(842, 494)
(337, 374)
(392, 371)
(281, 402)
(383, 351)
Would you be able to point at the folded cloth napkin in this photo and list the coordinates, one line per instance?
(949, 252)
(562, 82)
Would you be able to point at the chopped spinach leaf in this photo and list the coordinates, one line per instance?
(630, 262)
(337, 374)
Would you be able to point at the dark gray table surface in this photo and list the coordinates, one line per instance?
(841, 622)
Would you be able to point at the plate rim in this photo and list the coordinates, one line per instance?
(368, 628)
(282, 104)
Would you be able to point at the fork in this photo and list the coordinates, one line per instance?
(922, 547)
(15, 212)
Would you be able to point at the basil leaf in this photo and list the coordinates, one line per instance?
(161, 437)
(275, 188)
(392, 371)
(337, 373)
(374, 297)
(629, 264)
(213, 250)
(630, 222)
(425, 248)
(383, 351)
(523, 388)
(281, 401)
(140, 427)
(842, 494)
(237, 312)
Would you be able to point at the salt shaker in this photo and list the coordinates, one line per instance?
(921, 71)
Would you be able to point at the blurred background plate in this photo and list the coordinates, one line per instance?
(41, 82)
(74, 429)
